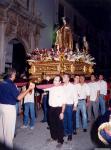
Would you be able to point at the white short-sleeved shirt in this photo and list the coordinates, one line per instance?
(94, 88)
(77, 86)
(29, 98)
(103, 87)
(70, 92)
(83, 91)
(56, 96)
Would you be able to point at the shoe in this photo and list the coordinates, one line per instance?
(32, 127)
(48, 128)
(43, 121)
(24, 127)
(84, 130)
(59, 145)
(15, 135)
(50, 140)
(69, 138)
(74, 132)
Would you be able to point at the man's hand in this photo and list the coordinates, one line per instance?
(61, 116)
(74, 108)
(96, 99)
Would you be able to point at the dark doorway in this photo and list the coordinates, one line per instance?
(19, 58)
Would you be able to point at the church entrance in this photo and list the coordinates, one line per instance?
(16, 56)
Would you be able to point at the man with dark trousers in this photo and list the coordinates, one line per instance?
(57, 102)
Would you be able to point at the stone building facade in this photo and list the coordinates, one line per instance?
(19, 24)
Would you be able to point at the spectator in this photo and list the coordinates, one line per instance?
(9, 95)
(29, 108)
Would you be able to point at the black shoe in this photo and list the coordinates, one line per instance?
(69, 138)
(15, 135)
(84, 130)
(43, 121)
(48, 128)
(74, 132)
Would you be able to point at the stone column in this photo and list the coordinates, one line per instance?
(2, 47)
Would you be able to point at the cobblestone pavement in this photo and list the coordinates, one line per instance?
(36, 139)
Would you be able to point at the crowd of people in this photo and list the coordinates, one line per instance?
(65, 103)
(83, 100)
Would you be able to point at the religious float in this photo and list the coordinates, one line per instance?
(63, 58)
(51, 62)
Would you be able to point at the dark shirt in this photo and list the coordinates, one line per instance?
(94, 129)
(8, 92)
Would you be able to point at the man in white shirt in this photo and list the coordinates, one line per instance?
(103, 92)
(70, 93)
(57, 102)
(94, 95)
(83, 99)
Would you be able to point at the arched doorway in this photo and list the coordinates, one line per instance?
(16, 56)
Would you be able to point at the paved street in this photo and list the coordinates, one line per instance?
(36, 139)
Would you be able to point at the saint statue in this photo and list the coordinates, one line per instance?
(85, 45)
(77, 48)
(55, 29)
(64, 39)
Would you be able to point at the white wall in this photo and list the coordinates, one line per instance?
(47, 11)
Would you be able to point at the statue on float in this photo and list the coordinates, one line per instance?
(85, 45)
(64, 38)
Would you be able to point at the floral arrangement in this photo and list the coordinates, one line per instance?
(54, 55)
(41, 54)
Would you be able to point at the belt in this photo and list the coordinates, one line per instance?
(102, 95)
(81, 99)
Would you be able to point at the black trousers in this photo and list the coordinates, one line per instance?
(56, 125)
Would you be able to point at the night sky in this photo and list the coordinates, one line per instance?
(98, 12)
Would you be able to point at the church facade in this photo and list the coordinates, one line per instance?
(19, 24)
